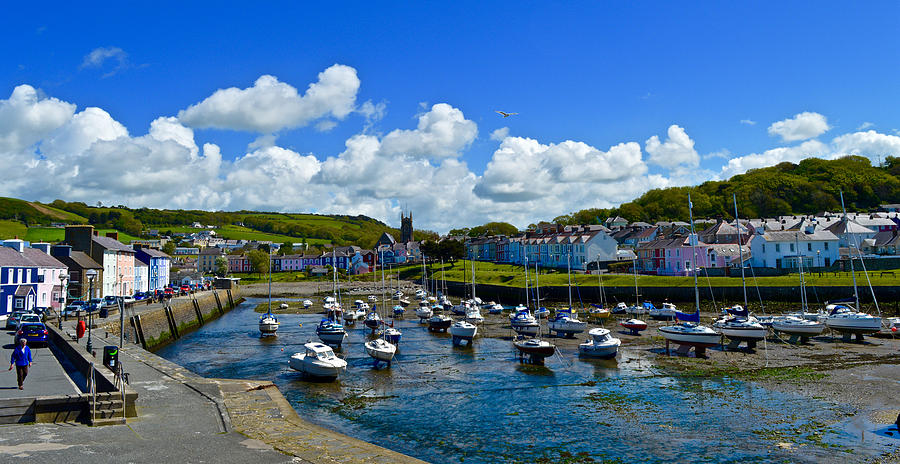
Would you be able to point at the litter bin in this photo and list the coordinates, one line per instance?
(111, 357)
(104, 312)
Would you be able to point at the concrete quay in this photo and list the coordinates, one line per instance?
(183, 417)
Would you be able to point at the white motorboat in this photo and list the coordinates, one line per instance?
(542, 313)
(515, 311)
(307, 304)
(846, 320)
(421, 294)
(373, 320)
(372, 298)
(283, 306)
(331, 332)
(462, 330)
(318, 360)
(742, 329)
(381, 350)
(328, 301)
(360, 304)
(351, 316)
(600, 345)
(398, 294)
(391, 334)
(794, 325)
(403, 302)
(439, 323)
(566, 323)
(424, 311)
(524, 323)
(398, 311)
(620, 308)
(892, 324)
(268, 325)
(687, 333)
(460, 309)
(473, 315)
(495, 308)
(666, 312)
(637, 310)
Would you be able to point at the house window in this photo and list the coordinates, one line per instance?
(763, 247)
(778, 248)
(792, 247)
(20, 303)
(826, 247)
(809, 247)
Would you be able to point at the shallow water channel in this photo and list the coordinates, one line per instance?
(444, 404)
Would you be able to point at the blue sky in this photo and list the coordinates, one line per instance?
(596, 74)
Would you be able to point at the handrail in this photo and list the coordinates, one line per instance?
(93, 392)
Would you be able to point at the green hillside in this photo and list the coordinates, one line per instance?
(809, 187)
(30, 220)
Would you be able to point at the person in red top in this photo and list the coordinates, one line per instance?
(21, 358)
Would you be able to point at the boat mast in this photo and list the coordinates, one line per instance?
(569, 271)
(737, 223)
(473, 281)
(600, 283)
(637, 298)
(852, 271)
(800, 267)
(269, 262)
(537, 287)
(693, 241)
(526, 282)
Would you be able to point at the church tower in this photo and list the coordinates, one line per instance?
(406, 229)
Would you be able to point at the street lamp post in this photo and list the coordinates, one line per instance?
(91, 275)
(64, 292)
(819, 261)
(121, 314)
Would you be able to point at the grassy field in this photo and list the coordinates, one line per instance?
(513, 276)
(11, 229)
(233, 232)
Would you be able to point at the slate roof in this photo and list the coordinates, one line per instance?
(79, 259)
(112, 244)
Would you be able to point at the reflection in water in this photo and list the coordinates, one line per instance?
(479, 404)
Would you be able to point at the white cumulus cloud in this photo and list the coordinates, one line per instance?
(677, 150)
(270, 105)
(802, 126)
(442, 132)
(500, 134)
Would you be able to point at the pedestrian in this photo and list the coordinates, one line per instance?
(21, 358)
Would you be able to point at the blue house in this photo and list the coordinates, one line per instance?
(159, 265)
(28, 278)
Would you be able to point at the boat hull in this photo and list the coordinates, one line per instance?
(740, 334)
(535, 351)
(704, 340)
(313, 369)
(332, 338)
(267, 329)
(439, 326)
(590, 350)
(798, 329)
(380, 352)
(567, 328)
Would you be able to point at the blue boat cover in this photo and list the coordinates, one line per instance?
(737, 312)
(837, 308)
(693, 317)
(597, 306)
(649, 305)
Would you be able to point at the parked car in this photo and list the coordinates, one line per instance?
(94, 304)
(110, 300)
(128, 300)
(185, 289)
(41, 311)
(169, 291)
(27, 318)
(141, 296)
(72, 310)
(34, 332)
(13, 320)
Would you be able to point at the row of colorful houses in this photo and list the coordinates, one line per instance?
(548, 245)
(41, 274)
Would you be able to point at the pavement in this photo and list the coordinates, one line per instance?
(46, 377)
(179, 421)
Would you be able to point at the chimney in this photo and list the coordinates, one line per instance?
(113, 235)
(45, 247)
(15, 244)
(60, 250)
(79, 237)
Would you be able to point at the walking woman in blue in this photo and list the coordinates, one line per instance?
(21, 358)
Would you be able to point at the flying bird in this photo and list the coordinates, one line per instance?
(506, 115)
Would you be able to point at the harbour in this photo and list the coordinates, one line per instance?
(442, 403)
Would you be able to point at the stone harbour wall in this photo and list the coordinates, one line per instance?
(158, 327)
